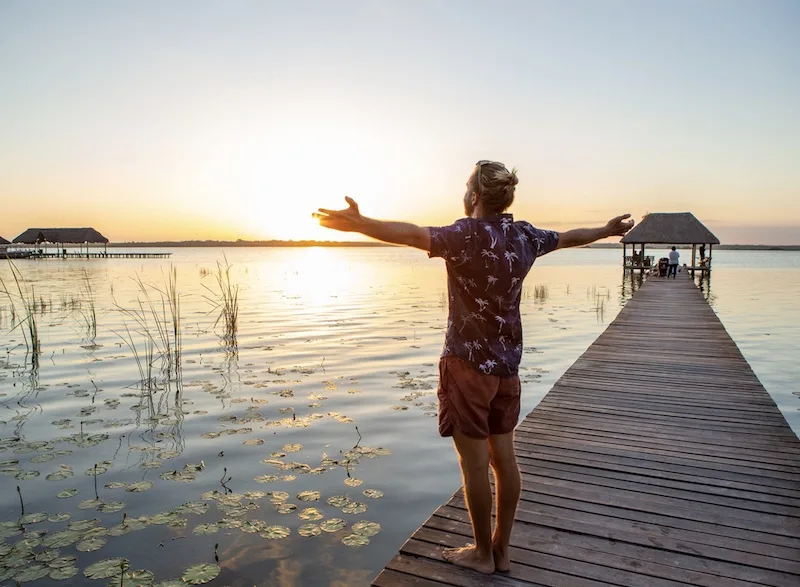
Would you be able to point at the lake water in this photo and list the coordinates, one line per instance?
(331, 380)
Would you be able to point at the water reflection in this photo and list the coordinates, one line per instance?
(631, 282)
(704, 283)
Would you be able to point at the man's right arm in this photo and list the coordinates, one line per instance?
(583, 236)
(398, 233)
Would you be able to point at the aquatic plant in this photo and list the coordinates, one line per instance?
(225, 299)
(27, 301)
(90, 313)
(541, 293)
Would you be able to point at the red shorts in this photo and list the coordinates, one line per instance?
(479, 405)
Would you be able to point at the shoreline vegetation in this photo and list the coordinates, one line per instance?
(314, 243)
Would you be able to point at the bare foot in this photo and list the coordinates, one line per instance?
(502, 560)
(468, 557)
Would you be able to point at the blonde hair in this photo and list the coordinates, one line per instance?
(495, 185)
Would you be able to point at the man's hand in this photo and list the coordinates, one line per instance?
(618, 226)
(347, 220)
(351, 220)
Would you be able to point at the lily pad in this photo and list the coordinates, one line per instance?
(32, 572)
(199, 574)
(135, 578)
(366, 528)
(90, 504)
(292, 448)
(266, 478)
(253, 442)
(116, 485)
(286, 508)
(254, 494)
(278, 496)
(62, 573)
(139, 486)
(373, 493)
(67, 493)
(58, 518)
(104, 569)
(33, 518)
(62, 539)
(309, 495)
(90, 545)
(354, 507)
(311, 514)
(355, 540)
(192, 507)
(309, 530)
(353, 482)
(338, 501)
(62, 561)
(202, 529)
(275, 532)
(149, 465)
(333, 525)
(111, 507)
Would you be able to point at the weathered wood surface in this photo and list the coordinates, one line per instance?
(657, 460)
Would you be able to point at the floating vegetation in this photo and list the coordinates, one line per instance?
(135, 578)
(309, 495)
(199, 574)
(253, 442)
(373, 493)
(90, 544)
(275, 532)
(104, 569)
(308, 530)
(355, 540)
(353, 482)
(338, 501)
(354, 507)
(206, 529)
(366, 528)
(288, 448)
(139, 486)
(311, 514)
(286, 508)
(333, 525)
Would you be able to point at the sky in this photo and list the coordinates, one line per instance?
(182, 120)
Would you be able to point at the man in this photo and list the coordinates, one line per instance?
(674, 258)
(487, 255)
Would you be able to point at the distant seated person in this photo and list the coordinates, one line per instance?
(674, 258)
(663, 264)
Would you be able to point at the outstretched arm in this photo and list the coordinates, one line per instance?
(583, 236)
(351, 220)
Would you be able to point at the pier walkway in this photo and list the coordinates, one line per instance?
(657, 460)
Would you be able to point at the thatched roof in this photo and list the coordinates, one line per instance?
(33, 236)
(678, 228)
(3, 241)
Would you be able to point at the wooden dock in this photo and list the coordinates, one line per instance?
(657, 460)
(90, 255)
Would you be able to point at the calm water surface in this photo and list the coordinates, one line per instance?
(332, 382)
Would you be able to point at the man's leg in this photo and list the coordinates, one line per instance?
(507, 487)
(473, 455)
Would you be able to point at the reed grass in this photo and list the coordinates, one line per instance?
(28, 303)
(541, 293)
(90, 312)
(225, 299)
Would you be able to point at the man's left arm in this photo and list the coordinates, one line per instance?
(398, 233)
(583, 236)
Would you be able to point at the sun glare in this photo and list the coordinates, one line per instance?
(281, 182)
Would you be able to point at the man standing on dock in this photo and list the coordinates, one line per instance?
(487, 255)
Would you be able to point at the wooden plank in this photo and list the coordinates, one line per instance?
(657, 460)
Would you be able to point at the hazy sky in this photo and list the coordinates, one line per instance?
(194, 119)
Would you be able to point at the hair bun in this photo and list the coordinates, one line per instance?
(512, 178)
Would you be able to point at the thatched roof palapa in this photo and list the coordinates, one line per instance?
(670, 228)
(34, 236)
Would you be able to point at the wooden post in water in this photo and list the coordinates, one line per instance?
(694, 254)
(624, 254)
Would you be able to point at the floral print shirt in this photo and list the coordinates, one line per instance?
(487, 260)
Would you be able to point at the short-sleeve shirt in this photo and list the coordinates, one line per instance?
(487, 260)
(674, 257)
